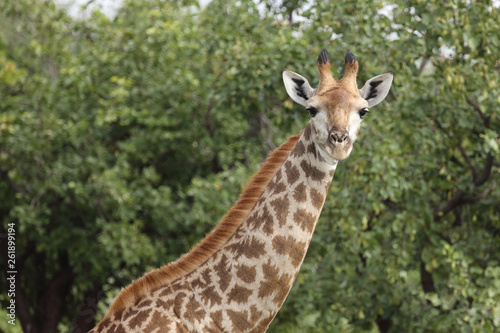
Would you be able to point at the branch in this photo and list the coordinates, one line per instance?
(459, 198)
(478, 178)
(426, 279)
(449, 205)
(460, 148)
(5, 176)
(425, 60)
(485, 174)
(467, 160)
(384, 324)
(266, 125)
(440, 126)
(390, 204)
(485, 118)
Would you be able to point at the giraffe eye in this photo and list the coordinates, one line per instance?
(312, 111)
(363, 112)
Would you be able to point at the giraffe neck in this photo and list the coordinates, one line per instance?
(265, 254)
(242, 285)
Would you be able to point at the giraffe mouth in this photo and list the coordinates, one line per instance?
(339, 150)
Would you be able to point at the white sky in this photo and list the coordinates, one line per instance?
(108, 7)
(74, 7)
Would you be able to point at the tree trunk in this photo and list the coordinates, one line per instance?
(52, 304)
(87, 309)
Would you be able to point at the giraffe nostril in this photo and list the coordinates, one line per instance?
(339, 136)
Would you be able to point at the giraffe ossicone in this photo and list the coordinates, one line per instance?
(238, 276)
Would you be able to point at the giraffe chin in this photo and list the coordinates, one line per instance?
(338, 151)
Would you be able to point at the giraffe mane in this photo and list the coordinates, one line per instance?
(214, 240)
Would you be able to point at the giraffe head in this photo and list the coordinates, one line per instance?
(337, 108)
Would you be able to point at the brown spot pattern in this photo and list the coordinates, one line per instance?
(311, 171)
(307, 133)
(274, 283)
(211, 328)
(239, 320)
(130, 314)
(180, 328)
(292, 173)
(118, 315)
(299, 150)
(211, 297)
(316, 198)
(194, 310)
(221, 269)
(181, 285)
(291, 247)
(117, 329)
(281, 207)
(279, 188)
(246, 273)
(264, 323)
(157, 321)
(312, 150)
(239, 294)
(255, 314)
(166, 292)
(217, 318)
(112, 328)
(103, 324)
(206, 276)
(300, 193)
(141, 317)
(250, 248)
(198, 283)
(144, 303)
(166, 305)
(266, 221)
(178, 301)
(305, 220)
(275, 182)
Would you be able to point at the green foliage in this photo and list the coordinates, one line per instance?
(419, 191)
(123, 141)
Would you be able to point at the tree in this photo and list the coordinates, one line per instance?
(409, 238)
(114, 138)
(116, 135)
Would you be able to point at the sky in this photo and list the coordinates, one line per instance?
(108, 7)
(73, 7)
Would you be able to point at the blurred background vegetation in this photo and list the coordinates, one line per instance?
(123, 140)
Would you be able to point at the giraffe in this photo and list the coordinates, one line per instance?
(237, 278)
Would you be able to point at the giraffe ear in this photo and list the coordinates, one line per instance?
(376, 89)
(297, 87)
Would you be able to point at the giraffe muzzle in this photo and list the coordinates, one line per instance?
(339, 136)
